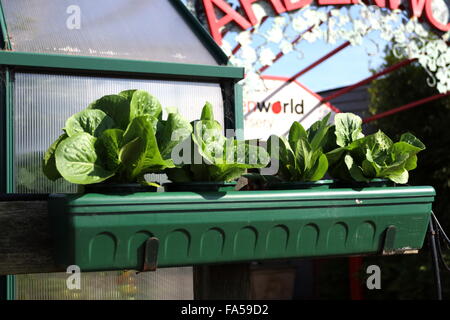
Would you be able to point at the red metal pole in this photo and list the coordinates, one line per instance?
(238, 46)
(367, 80)
(405, 107)
(315, 64)
(356, 290)
(311, 66)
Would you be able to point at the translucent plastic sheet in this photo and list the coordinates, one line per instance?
(131, 29)
(171, 283)
(43, 102)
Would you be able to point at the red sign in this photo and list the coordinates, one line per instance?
(418, 8)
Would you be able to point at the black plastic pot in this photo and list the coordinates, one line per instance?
(297, 185)
(199, 186)
(358, 185)
(115, 188)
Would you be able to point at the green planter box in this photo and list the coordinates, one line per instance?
(107, 232)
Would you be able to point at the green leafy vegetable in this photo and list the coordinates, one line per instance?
(140, 154)
(362, 159)
(110, 143)
(348, 128)
(90, 121)
(49, 162)
(77, 160)
(118, 137)
(210, 156)
(144, 104)
(301, 156)
(115, 106)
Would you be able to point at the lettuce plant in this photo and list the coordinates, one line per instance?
(363, 158)
(301, 156)
(209, 156)
(118, 138)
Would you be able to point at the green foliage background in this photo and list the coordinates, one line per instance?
(411, 277)
(408, 276)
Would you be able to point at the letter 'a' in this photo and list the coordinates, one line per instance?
(229, 15)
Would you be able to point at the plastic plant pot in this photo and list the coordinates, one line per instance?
(199, 186)
(115, 188)
(166, 229)
(358, 185)
(297, 185)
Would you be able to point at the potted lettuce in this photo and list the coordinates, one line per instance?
(363, 159)
(209, 161)
(300, 158)
(115, 141)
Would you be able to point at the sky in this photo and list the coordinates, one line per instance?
(348, 66)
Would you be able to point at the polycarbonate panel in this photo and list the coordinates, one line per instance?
(131, 29)
(164, 284)
(43, 102)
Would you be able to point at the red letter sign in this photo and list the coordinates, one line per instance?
(230, 15)
(417, 7)
(296, 5)
(247, 5)
(433, 21)
(393, 4)
(327, 2)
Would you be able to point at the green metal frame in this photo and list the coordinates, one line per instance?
(7, 283)
(239, 111)
(200, 31)
(10, 287)
(9, 134)
(44, 61)
(5, 43)
(6, 133)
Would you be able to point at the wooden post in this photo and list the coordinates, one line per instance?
(25, 241)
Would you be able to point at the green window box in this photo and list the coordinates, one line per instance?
(107, 232)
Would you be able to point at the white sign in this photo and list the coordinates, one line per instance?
(272, 111)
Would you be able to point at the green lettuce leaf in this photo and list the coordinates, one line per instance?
(301, 156)
(109, 146)
(140, 153)
(375, 156)
(115, 106)
(221, 159)
(171, 132)
(89, 121)
(348, 128)
(77, 160)
(49, 161)
(144, 104)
